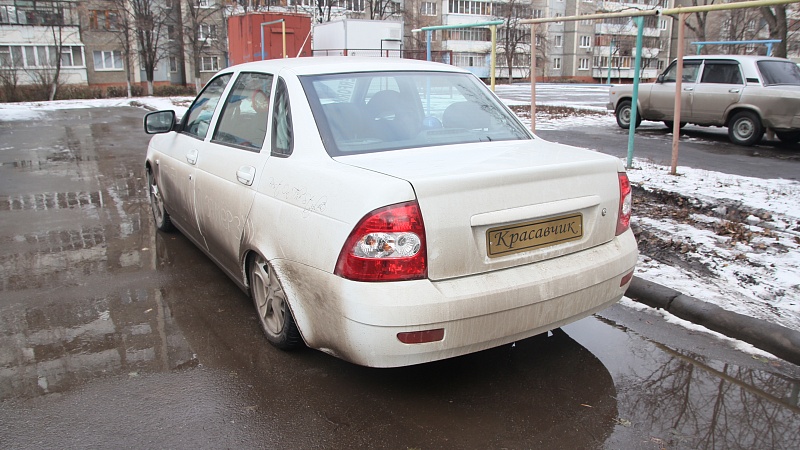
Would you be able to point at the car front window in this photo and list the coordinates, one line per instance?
(779, 73)
(243, 121)
(198, 117)
(378, 111)
(690, 70)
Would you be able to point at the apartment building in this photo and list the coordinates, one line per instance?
(94, 42)
(36, 35)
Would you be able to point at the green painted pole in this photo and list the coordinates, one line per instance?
(635, 100)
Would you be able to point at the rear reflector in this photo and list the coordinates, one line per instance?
(626, 279)
(421, 337)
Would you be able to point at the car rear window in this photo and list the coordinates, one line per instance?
(779, 72)
(378, 111)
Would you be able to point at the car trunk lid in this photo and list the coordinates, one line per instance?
(489, 206)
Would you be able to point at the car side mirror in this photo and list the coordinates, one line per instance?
(159, 122)
(660, 78)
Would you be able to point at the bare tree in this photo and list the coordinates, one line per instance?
(121, 28)
(778, 27)
(512, 36)
(698, 26)
(149, 19)
(382, 9)
(200, 27)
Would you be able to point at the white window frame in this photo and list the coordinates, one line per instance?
(557, 63)
(214, 63)
(558, 40)
(586, 41)
(583, 64)
(207, 31)
(428, 8)
(116, 55)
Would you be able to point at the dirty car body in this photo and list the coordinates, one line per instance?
(389, 212)
(747, 94)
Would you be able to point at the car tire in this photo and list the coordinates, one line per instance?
(160, 215)
(745, 128)
(788, 137)
(670, 124)
(272, 306)
(623, 115)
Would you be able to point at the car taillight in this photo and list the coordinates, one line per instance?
(388, 244)
(625, 204)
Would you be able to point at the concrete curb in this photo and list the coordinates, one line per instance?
(780, 341)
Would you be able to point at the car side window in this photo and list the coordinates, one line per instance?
(282, 132)
(690, 70)
(198, 117)
(721, 73)
(244, 118)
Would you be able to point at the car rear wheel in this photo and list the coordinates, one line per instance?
(623, 114)
(272, 307)
(670, 124)
(160, 215)
(745, 128)
(789, 137)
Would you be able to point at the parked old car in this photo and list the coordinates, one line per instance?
(747, 94)
(389, 212)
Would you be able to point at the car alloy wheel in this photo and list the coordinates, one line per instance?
(160, 215)
(272, 306)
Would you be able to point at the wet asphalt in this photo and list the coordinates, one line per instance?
(115, 335)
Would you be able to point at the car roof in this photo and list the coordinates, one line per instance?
(344, 64)
(741, 58)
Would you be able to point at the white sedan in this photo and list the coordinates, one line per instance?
(389, 212)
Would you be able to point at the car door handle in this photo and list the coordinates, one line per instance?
(688, 89)
(734, 91)
(246, 175)
(191, 157)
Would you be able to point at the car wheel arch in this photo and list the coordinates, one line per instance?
(298, 317)
(735, 109)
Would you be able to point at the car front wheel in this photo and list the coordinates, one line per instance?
(160, 215)
(670, 124)
(745, 128)
(272, 307)
(623, 114)
(789, 137)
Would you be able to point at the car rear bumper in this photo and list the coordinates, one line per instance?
(359, 322)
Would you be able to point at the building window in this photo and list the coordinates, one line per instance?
(428, 9)
(538, 13)
(663, 24)
(559, 41)
(107, 60)
(660, 66)
(204, 3)
(473, 7)
(559, 15)
(171, 34)
(173, 64)
(103, 20)
(210, 64)
(586, 41)
(583, 64)
(207, 31)
(556, 63)
(749, 48)
(469, 34)
(751, 26)
(31, 56)
(469, 59)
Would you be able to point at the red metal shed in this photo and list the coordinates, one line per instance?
(244, 36)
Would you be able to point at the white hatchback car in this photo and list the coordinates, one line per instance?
(389, 212)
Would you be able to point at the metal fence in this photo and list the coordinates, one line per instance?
(442, 56)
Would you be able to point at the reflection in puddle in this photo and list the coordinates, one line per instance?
(60, 345)
(677, 399)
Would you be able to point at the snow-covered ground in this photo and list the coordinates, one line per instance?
(751, 266)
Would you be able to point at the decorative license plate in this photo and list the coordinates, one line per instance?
(510, 239)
